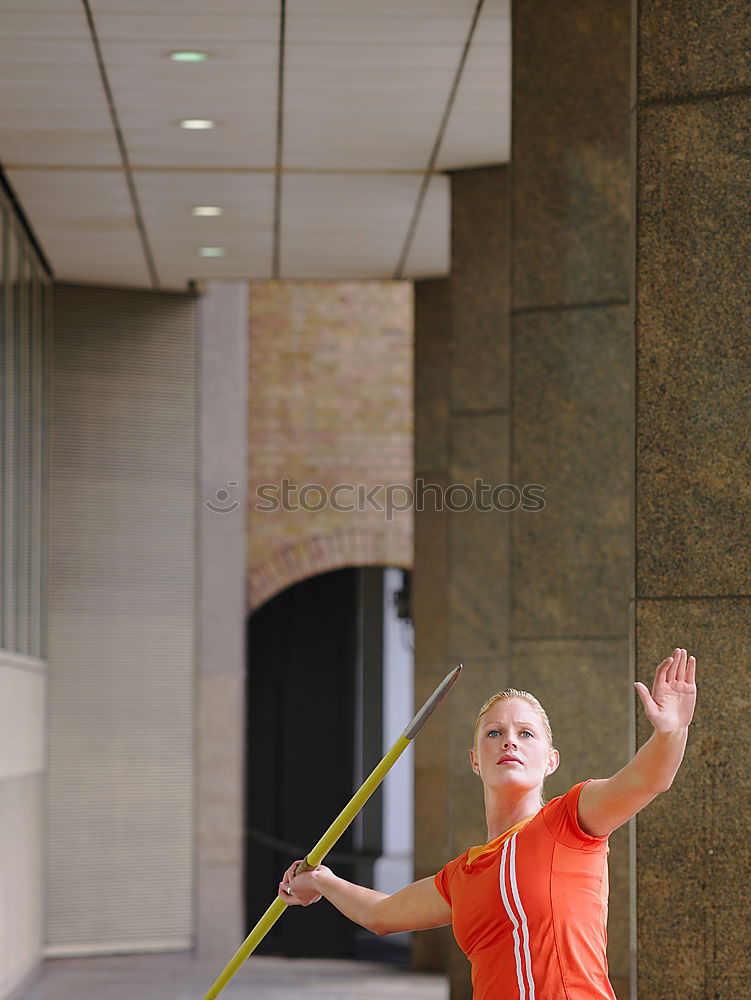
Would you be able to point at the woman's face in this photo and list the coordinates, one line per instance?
(512, 747)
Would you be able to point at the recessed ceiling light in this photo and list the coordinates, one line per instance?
(206, 210)
(211, 251)
(196, 123)
(188, 56)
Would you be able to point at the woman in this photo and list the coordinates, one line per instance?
(529, 907)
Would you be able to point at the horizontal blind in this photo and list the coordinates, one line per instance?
(121, 621)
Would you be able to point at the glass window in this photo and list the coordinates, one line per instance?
(11, 449)
(25, 339)
(36, 478)
(23, 433)
(3, 327)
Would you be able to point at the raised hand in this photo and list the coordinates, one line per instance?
(670, 706)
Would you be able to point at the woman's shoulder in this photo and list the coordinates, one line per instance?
(561, 818)
(572, 795)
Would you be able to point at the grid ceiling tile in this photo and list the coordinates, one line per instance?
(479, 129)
(219, 8)
(175, 30)
(55, 112)
(85, 223)
(66, 22)
(430, 253)
(379, 25)
(347, 117)
(343, 224)
(236, 88)
(244, 230)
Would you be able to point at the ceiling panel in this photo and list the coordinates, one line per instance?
(235, 142)
(430, 252)
(348, 70)
(349, 116)
(366, 87)
(245, 229)
(479, 129)
(34, 7)
(55, 111)
(410, 24)
(65, 21)
(236, 87)
(85, 223)
(344, 225)
(219, 8)
(177, 28)
(392, 9)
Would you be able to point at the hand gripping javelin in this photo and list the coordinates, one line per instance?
(334, 832)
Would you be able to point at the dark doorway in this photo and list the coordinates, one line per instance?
(302, 650)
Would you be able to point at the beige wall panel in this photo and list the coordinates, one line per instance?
(21, 889)
(122, 622)
(22, 705)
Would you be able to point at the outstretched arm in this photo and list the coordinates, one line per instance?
(607, 803)
(416, 907)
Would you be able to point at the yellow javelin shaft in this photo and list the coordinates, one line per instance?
(334, 832)
(313, 859)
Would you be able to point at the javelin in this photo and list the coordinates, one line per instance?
(334, 832)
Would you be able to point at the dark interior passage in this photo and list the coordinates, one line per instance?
(302, 650)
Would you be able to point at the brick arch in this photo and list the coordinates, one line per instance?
(316, 554)
(330, 406)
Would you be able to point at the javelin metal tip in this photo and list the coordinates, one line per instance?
(431, 704)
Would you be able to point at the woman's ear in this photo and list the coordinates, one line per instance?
(473, 761)
(553, 762)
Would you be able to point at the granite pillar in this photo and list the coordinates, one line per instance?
(692, 119)
(572, 394)
(461, 586)
(432, 328)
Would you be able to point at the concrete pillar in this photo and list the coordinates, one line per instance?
(693, 455)
(461, 585)
(571, 393)
(222, 424)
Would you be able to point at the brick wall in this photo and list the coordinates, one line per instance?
(330, 405)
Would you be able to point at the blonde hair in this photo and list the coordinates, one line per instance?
(513, 694)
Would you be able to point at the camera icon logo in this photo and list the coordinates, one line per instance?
(223, 505)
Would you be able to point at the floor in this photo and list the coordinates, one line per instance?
(181, 977)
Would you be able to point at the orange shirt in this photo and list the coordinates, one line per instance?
(529, 909)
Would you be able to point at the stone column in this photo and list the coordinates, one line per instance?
(222, 425)
(430, 596)
(461, 551)
(693, 459)
(571, 393)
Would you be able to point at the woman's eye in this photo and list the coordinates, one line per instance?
(526, 732)
(494, 732)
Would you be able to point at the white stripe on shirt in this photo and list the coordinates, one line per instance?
(525, 927)
(515, 921)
